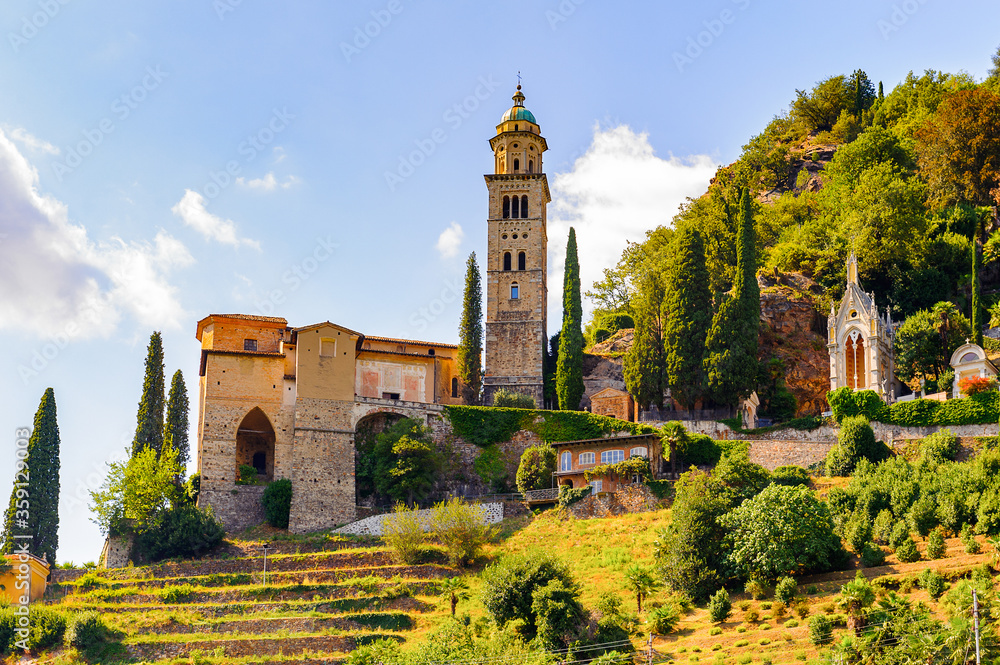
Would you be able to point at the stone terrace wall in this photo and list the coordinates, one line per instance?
(237, 509)
(630, 499)
(720, 431)
(890, 433)
(772, 454)
(372, 526)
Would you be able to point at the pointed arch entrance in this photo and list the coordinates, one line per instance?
(854, 356)
(255, 444)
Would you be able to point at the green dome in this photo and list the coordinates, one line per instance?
(518, 113)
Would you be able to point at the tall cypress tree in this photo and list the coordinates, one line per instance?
(687, 318)
(645, 366)
(41, 522)
(470, 334)
(149, 428)
(569, 368)
(175, 427)
(977, 309)
(731, 361)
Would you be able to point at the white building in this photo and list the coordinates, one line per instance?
(970, 360)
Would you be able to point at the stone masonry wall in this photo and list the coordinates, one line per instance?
(237, 508)
(772, 454)
(462, 456)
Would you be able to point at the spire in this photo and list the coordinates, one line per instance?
(518, 96)
(852, 269)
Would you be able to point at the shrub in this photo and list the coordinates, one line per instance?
(755, 589)
(715, 630)
(185, 531)
(976, 385)
(699, 449)
(932, 582)
(87, 630)
(538, 463)
(568, 496)
(47, 628)
(719, 606)
(939, 447)
(504, 398)
(752, 615)
(662, 620)
(872, 555)
(855, 441)
(907, 552)
(972, 545)
(790, 475)
(858, 532)
(744, 605)
(246, 475)
(820, 630)
(462, 529)
(777, 608)
(277, 502)
(785, 590)
(935, 544)
(882, 527)
(802, 610)
(900, 533)
(175, 593)
(509, 584)
(403, 532)
(8, 628)
(609, 604)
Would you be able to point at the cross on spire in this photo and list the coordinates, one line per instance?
(519, 78)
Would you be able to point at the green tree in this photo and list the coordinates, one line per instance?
(136, 491)
(406, 462)
(175, 426)
(645, 363)
(820, 108)
(861, 92)
(40, 470)
(558, 612)
(731, 362)
(675, 436)
(781, 531)
(688, 317)
(855, 597)
(470, 334)
(976, 321)
(508, 586)
(641, 582)
(855, 442)
(926, 339)
(538, 463)
(149, 428)
(456, 588)
(569, 368)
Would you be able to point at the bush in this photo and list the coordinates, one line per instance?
(872, 555)
(719, 606)
(785, 590)
(87, 631)
(509, 584)
(538, 463)
(882, 527)
(508, 399)
(462, 529)
(47, 628)
(935, 544)
(977, 385)
(907, 552)
(972, 545)
(609, 604)
(858, 532)
(790, 475)
(939, 447)
(568, 496)
(185, 531)
(777, 608)
(900, 533)
(755, 589)
(247, 475)
(855, 441)
(932, 582)
(277, 502)
(403, 532)
(820, 630)
(802, 610)
(662, 620)
(752, 615)
(699, 450)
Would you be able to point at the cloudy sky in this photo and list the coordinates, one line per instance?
(160, 161)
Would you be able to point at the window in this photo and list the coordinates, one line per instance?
(249, 345)
(520, 260)
(506, 261)
(514, 292)
(515, 145)
(596, 486)
(506, 207)
(517, 165)
(612, 456)
(454, 388)
(638, 451)
(390, 395)
(515, 204)
(430, 352)
(524, 207)
(531, 166)
(586, 458)
(328, 347)
(566, 461)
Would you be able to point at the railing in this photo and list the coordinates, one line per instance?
(549, 494)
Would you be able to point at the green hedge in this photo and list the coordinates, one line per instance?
(487, 425)
(805, 423)
(975, 410)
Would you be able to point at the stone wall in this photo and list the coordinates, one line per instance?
(891, 433)
(772, 454)
(720, 431)
(372, 526)
(116, 553)
(630, 499)
(462, 457)
(237, 508)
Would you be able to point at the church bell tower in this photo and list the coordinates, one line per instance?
(516, 266)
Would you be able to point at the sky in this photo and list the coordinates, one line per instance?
(162, 161)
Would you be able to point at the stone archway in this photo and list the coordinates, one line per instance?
(255, 444)
(365, 437)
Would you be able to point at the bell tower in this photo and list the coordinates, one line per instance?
(516, 265)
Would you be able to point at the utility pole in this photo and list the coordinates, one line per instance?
(975, 617)
(264, 549)
(649, 643)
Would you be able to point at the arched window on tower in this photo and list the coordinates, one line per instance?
(506, 207)
(520, 260)
(506, 261)
(517, 164)
(524, 207)
(454, 388)
(515, 292)
(515, 208)
(531, 166)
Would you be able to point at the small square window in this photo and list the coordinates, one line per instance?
(586, 458)
(596, 486)
(390, 395)
(249, 345)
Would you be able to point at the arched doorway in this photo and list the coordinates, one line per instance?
(255, 444)
(854, 356)
(365, 437)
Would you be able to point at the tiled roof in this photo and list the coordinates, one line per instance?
(611, 440)
(253, 317)
(411, 341)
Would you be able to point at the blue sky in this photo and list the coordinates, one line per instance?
(355, 137)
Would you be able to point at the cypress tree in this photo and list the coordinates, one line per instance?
(175, 427)
(731, 362)
(42, 490)
(149, 428)
(687, 319)
(569, 367)
(470, 335)
(977, 310)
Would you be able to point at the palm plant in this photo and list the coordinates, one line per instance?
(641, 582)
(456, 588)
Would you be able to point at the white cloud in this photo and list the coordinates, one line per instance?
(450, 241)
(32, 142)
(268, 183)
(191, 210)
(615, 192)
(57, 282)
